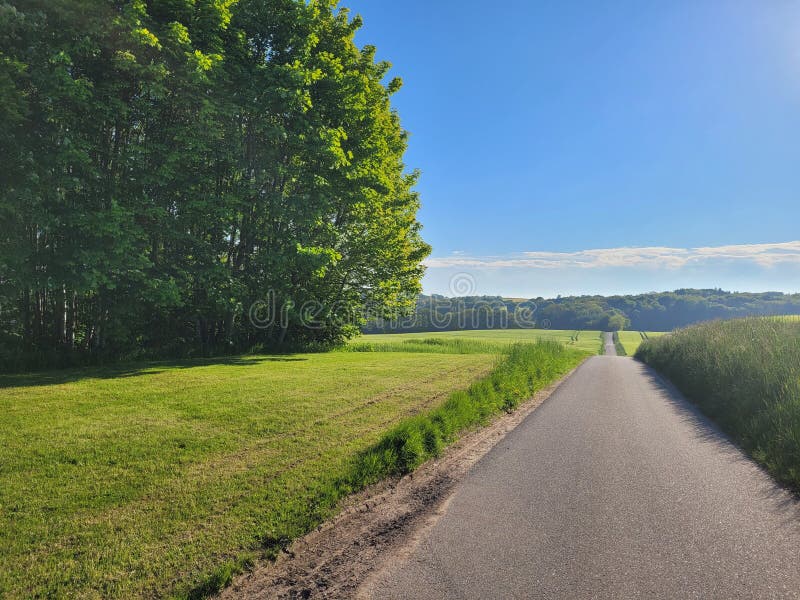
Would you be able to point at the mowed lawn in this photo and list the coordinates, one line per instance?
(631, 340)
(142, 481)
(589, 341)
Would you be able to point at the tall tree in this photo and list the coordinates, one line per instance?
(170, 163)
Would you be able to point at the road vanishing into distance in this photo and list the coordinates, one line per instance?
(614, 488)
(609, 349)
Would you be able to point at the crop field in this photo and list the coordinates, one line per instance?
(745, 374)
(492, 339)
(631, 340)
(163, 479)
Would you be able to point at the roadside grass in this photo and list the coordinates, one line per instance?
(526, 369)
(631, 340)
(166, 479)
(618, 346)
(585, 341)
(745, 374)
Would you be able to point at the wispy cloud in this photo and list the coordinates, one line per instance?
(657, 257)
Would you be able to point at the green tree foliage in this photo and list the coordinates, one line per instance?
(167, 164)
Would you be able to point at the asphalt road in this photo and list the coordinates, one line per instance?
(609, 349)
(614, 488)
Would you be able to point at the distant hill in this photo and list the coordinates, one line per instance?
(655, 311)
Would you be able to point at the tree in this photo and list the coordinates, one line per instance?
(173, 162)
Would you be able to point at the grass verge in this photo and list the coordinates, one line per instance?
(745, 375)
(526, 368)
(631, 340)
(618, 346)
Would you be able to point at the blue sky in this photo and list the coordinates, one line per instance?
(565, 127)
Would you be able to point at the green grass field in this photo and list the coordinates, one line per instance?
(132, 482)
(163, 479)
(745, 374)
(631, 340)
(493, 339)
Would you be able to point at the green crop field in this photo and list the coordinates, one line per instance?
(587, 341)
(124, 482)
(631, 340)
(163, 479)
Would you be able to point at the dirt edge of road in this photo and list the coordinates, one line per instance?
(341, 557)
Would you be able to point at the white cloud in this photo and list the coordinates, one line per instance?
(658, 257)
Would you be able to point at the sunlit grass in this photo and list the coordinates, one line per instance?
(140, 481)
(588, 341)
(526, 369)
(434, 345)
(164, 479)
(631, 340)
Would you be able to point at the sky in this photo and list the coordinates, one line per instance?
(584, 147)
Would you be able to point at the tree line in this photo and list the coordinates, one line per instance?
(663, 311)
(169, 164)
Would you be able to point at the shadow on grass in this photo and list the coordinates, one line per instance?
(124, 370)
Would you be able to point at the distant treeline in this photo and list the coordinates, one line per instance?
(662, 311)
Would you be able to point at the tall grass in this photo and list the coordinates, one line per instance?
(745, 374)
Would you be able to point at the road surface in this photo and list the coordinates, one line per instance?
(609, 348)
(613, 488)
